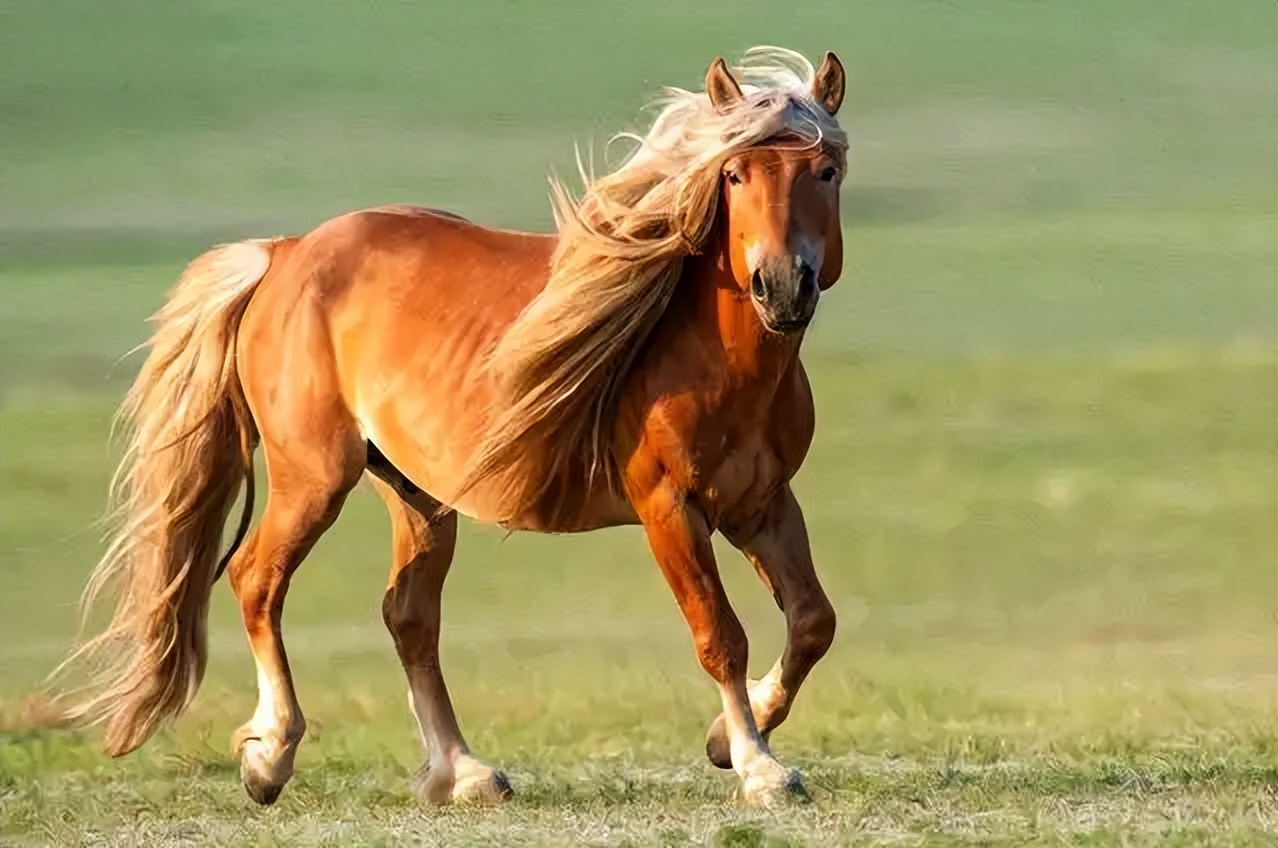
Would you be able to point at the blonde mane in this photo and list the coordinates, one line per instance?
(560, 367)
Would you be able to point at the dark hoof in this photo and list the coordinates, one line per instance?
(718, 749)
(261, 792)
(797, 792)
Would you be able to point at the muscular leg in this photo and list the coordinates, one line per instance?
(422, 553)
(680, 541)
(776, 543)
(304, 499)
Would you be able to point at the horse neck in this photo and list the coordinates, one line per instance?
(726, 318)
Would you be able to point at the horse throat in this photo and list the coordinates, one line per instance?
(725, 313)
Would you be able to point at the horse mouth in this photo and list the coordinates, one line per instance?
(788, 326)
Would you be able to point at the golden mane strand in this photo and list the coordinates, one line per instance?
(560, 367)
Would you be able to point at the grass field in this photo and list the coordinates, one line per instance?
(1043, 491)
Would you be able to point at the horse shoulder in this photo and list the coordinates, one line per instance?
(662, 414)
(657, 438)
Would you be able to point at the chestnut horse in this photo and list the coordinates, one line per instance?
(641, 366)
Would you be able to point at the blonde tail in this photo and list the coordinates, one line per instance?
(189, 446)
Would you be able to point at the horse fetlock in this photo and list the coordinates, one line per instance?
(769, 711)
(271, 739)
(718, 746)
(719, 743)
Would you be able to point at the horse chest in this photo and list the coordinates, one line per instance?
(739, 477)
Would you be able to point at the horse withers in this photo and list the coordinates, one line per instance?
(640, 365)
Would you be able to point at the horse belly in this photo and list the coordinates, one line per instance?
(425, 416)
(416, 389)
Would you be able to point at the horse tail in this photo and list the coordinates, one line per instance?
(189, 442)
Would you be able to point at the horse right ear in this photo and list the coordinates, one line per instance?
(723, 90)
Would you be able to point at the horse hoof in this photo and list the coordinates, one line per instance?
(718, 749)
(768, 791)
(465, 781)
(262, 791)
(262, 774)
(483, 786)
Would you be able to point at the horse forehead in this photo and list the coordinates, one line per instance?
(780, 162)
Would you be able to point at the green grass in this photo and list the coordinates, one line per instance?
(1042, 495)
(1052, 630)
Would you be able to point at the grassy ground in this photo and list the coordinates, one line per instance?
(1043, 490)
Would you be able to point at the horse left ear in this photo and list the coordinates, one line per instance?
(828, 84)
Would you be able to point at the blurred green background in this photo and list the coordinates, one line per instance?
(1045, 459)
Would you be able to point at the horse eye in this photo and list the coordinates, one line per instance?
(733, 178)
(829, 174)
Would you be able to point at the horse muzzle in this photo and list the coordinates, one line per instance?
(785, 295)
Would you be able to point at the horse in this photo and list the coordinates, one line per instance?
(639, 365)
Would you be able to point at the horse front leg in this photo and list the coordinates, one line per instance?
(680, 540)
(776, 543)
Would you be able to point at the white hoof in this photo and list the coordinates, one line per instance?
(772, 784)
(488, 786)
(265, 766)
(465, 781)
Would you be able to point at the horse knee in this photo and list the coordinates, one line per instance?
(723, 649)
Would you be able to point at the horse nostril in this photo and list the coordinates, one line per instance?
(756, 286)
(807, 280)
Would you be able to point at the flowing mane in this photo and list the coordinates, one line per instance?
(561, 366)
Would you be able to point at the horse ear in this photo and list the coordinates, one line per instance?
(828, 84)
(723, 90)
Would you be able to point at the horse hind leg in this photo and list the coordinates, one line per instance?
(308, 483)
(422, 551)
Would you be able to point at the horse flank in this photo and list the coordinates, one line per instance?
(561, 366)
